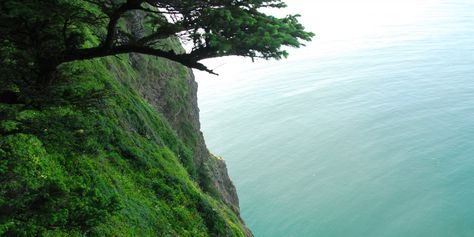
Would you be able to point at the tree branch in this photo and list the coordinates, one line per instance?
(90, 53)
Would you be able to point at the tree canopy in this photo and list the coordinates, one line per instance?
(56, 30)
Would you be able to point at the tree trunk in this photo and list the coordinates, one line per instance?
(46, 72)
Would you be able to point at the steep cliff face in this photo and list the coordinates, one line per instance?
(185, 119)
(112, 148)
(211, 170)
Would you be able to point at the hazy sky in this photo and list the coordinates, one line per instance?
(339, 25)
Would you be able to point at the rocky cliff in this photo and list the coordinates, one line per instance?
(185, 120)
(112, 147)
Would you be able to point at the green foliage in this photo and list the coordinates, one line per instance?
(107, 166)
(68, 30)
(8, 126)
(251, 33)
(36, 196)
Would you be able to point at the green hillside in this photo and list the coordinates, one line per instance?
(108, 147)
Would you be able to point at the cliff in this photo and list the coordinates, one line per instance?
(112, 147)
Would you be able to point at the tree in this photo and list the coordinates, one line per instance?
(54, 32)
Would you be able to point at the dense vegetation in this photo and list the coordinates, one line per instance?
(215, 28)
(93, 158)
(82, 153)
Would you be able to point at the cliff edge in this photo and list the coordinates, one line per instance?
(112, 147)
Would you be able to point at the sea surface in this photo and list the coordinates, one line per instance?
(366, 132)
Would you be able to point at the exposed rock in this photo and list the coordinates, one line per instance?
(153, 88)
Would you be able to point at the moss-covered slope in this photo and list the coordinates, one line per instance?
(112, 148)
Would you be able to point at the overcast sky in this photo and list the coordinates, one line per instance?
(339, 25)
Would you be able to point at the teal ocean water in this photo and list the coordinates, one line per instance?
(369, 131)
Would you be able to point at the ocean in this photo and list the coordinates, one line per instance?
(366, 132)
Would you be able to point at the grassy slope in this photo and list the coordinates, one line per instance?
(95, 159)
